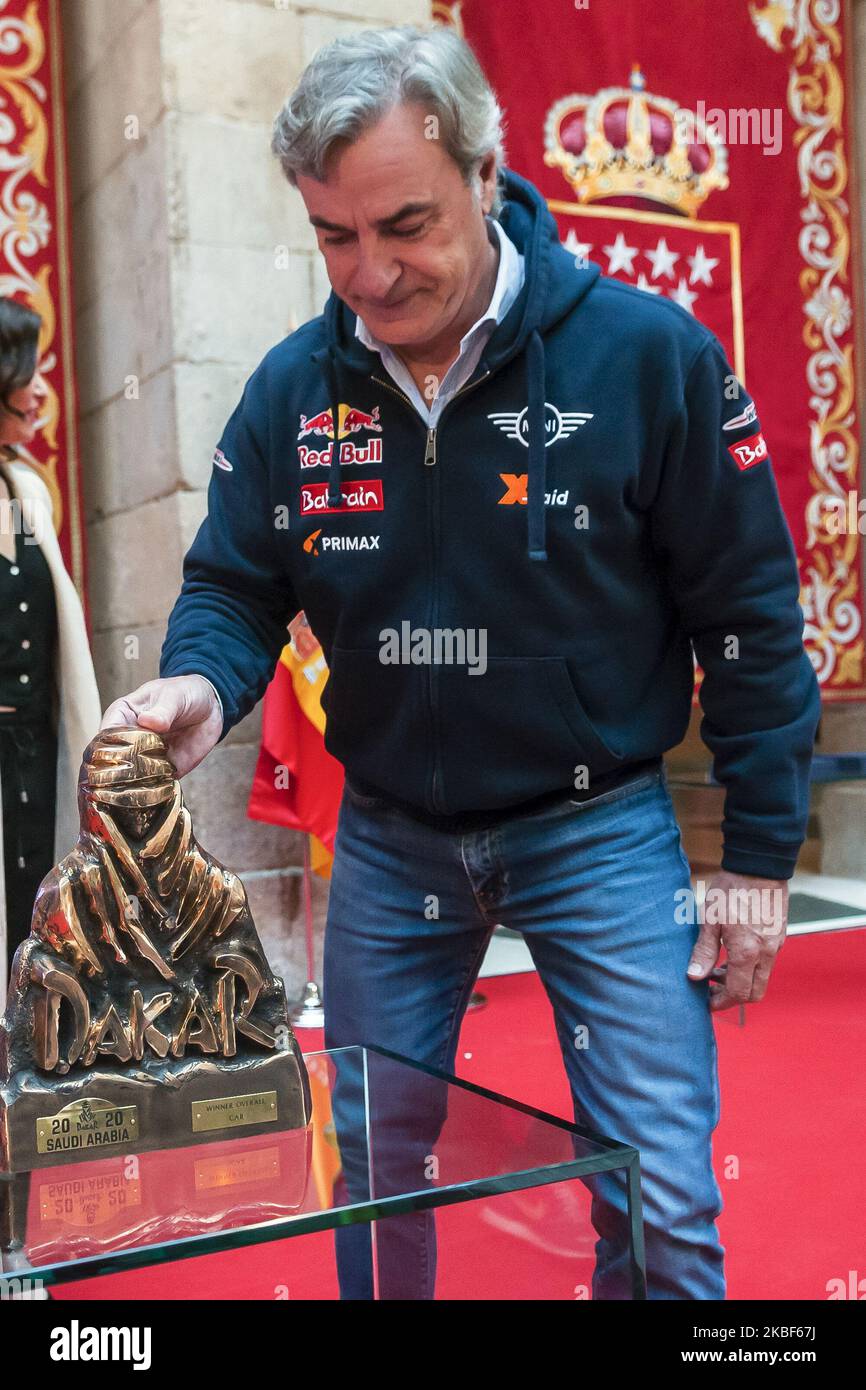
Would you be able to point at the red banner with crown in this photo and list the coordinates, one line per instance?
(704, 152)
(34, 242)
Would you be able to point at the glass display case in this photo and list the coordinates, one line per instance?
(432, 1188)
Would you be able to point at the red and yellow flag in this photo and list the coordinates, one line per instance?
(297, 782)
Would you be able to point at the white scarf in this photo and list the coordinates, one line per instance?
(78, 706)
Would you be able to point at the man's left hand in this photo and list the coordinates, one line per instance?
(749, 917)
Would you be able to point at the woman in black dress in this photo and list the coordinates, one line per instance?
(32, 594)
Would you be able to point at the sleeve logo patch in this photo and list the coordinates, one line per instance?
(749, 416)
(749, 451)
(220, 461)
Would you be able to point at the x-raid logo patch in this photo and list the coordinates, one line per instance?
(316, 543)
(516, 492)
(558, 424)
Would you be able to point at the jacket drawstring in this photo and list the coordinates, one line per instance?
(537, 479)
(335, 476)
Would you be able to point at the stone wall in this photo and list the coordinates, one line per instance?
(192, 256)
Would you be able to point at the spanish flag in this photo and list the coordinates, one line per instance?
(297, 783)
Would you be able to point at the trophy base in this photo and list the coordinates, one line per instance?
(159, 1105)
(106, 1205)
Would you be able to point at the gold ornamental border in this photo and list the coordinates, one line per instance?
(64, 286)
(830, 247)
(28, 225)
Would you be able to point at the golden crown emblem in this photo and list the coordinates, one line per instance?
(625, 142)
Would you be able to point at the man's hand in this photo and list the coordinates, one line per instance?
(749, 917)
(182, 708)
(304, 640)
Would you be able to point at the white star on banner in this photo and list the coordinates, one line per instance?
(579, 249)
(620, 256)
(683, 295)
(701, 265)
(644, 284)
(663, 259)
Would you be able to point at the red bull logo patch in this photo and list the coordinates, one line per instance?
(351, 420)
(368, 452)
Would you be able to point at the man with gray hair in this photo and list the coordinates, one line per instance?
(479, 435)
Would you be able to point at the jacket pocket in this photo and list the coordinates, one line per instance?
(513, 732)
(575, 715)
(376, 721)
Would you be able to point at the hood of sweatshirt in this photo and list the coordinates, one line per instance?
(553, 285)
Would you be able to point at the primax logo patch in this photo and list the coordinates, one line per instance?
(316, 543)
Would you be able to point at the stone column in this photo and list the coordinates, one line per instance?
(192, 256)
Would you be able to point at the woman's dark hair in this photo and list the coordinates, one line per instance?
(19, 347)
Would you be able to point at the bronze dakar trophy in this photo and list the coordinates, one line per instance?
(142, 1013)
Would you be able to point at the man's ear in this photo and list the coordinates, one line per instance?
(486, 181)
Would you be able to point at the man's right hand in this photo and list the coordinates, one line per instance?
(184, 709)
(304, 640)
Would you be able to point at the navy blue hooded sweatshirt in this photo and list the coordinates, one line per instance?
(594, 503)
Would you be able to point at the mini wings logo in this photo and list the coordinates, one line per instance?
(558, 424)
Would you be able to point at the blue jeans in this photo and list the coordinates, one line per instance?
(591, 886)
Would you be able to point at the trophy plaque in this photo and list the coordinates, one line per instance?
(142, 1013)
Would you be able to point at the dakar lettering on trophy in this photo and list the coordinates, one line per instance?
(168, 1021)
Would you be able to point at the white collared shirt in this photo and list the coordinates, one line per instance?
(509, 282)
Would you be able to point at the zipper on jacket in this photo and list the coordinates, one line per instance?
(433, 514)
(431, 430)
(430, 462)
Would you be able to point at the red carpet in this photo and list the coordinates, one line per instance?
(793, 1126)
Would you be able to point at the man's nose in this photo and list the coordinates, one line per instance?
(376, 272)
